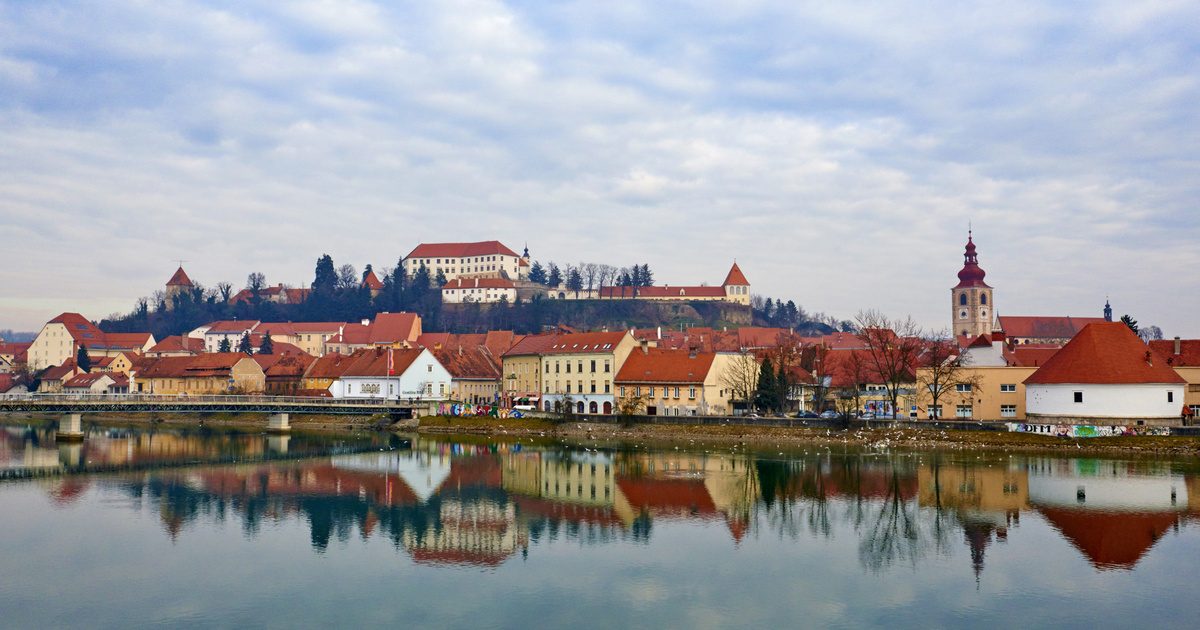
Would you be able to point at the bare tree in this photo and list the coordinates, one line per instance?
(589, 271)
(944, 370)
(347, 277)
(226, 291)
(891, 350)
(740, 376)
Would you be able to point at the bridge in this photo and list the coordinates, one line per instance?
(278, 408)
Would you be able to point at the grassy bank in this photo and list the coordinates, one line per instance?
(723, 435)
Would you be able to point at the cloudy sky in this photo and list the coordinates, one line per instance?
(837, 150)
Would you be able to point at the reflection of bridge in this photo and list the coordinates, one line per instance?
(278, 407)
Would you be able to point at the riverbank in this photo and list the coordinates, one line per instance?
(792, 437)
(248, 421)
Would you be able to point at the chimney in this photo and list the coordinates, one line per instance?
(366, 322)
(645, 346)
(1178, 346)
(659, 332)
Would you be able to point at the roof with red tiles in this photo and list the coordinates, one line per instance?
(232, 326)
(80, 329)
(665, 366)
(735, 277)
(291, 365)
(688, 498)
(330, 366)
(662, 292)
(374, 361)
(478, 283)
(178, 343)
(179, 279)
(469, 362)
(371, 281)
(1037, 327)
(1110, 540)
(80, 381)
(1030, 356)
(59, 372)
(18, 349)
(216, 364)
(1107, 353)
(460, 250)
(750, 337)
(571, 343)
(127, 341)
(1188, 356)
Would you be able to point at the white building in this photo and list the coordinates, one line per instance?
(481, 290)
(487, 259)
(230, 330)
(393, 373)
(1105, 375)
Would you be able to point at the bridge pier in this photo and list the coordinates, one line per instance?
(278, 423)
(70, 428)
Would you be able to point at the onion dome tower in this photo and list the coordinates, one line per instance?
(971, 298)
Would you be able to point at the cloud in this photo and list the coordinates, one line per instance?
(837, 151)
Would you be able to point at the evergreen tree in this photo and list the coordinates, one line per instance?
(537, 273)
(1130, 322)
(647, 276)
(765, 393)
(326, 278)
(266, 347)
(783, 384)
(366, 270)
(440, 279)
(244, 345)
(635, 276)
(575, 280)
(82, 359)
(555, 278)
(224, 346)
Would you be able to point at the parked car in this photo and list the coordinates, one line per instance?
(829, 414)
(807, 414)
(867, 416)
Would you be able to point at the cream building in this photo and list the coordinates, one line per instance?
(480, 290)
(486, 259)
(980, 393)
(675, 382)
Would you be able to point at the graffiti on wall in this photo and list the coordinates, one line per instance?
(1085, 430)
(468, 409)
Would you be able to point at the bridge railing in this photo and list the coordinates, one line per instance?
(207, 399)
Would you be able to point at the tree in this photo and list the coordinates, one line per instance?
(765, 395)
(267, 346)
(83, 360)
(348, 278)
(325, 280)
(537, 273)
(891, 350)
(631, 405)
(575, 280)
(944, 371)
(224, 345)
(244, 345)
(1150, 333)
(555, 279)
(1130, 322)
(225, 290)
(440, 279)
(646, 276)
(740, 377)
(255, 283)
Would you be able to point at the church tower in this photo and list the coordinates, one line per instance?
(971, 299)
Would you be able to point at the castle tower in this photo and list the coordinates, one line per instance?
(737, 287)
(179, 283)
(971, 300)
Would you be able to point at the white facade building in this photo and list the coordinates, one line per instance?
(415, 374)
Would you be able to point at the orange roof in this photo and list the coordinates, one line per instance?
(329, 366)
(665, 366)
(80, 329)
(373, 361)
(215, 364)
(687, 498)
(372, 281)
(179, 279)
(735, 277)
(1189, 352)
(58, 372)
(1104, 353)
(85, 380)
(469, 363)
(232, 326)
(1029, 355)
(571, 343)
(460, 250)
(132, 341)
(395, 327)
(479, 283)
(179, 343)
(661, 292)
(1045, 327)
(292, 365)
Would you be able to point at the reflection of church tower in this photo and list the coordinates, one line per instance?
(972, 297)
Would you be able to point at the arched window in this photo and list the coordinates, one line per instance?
(962, 299)
(579, 407)
(593, 407)
(983, 299)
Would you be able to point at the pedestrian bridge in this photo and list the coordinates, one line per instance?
(278, 408)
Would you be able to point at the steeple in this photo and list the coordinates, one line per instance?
(971, 274)
(526, 254)
(1107, 310)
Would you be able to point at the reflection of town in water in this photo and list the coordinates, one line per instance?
(451, 503)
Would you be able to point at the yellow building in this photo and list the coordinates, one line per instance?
(983, 393)
(208, 374)
(674, 382)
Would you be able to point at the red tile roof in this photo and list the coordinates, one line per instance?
(395, 327)
(232, 326)
(1189, 352)
(84, 380)
(735, 277)
(19, 349)
(662, 292)
(1110, 540)
(124, 341)
(371, 281)
(373, 361)
(460, 250)
(750, 337)
(179, 279)
(1045, 327)
(217, 364)
(665, 366)
(291, 365)
(330, 366)
(1104, 353)
(469, 363)
(58, 372)
(1030, 356)
(571, 343)
(178, 343)
(479, 283)
(80, 329)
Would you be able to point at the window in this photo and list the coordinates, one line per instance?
(593, 387)
(622, 391)
(556, 366)
(983, 299)
(677, 392)
(963, 411)
(607, 367)
(1170, 396)
(568, 367)
(962, 299)
(962, 388)
(1078, 397)
(1008, 411)
(581, 366)
(637, 391)
(593, 366)
(935, 412)
(608, 388)
(1008, 388)
(692, 393)
(568, 387)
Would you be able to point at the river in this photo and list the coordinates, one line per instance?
(368, 530)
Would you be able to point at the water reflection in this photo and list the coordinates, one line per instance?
(450, 503)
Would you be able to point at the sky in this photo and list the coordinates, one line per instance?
(837, 151)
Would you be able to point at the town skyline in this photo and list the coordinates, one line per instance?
(839, 166)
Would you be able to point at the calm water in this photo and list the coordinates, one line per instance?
(463, 533)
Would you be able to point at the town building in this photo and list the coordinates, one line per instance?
(1105, 375)
(735, 288)
(573, 368)
(673, 382)
(399, 330)
(13, 354)
(283, 373)
(206, 374)
(480, 290)
(390, 373)
(61, 338)
(474, 370)
(176, 346)
(230, 331)
(278, 294)
(486, 259)
(97, 384)
(1183, 355)
(984, 392)
(1043, 330)
(372, 283)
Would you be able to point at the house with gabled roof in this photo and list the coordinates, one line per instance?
(61, 338)
(485, 259)
(1105, 375)
(673, 382)
(574, 368)
(392, 373)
